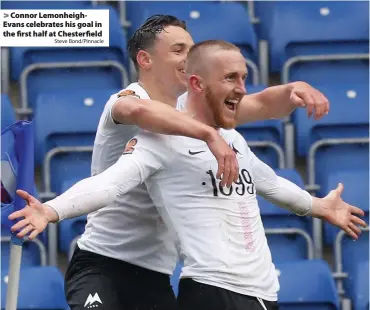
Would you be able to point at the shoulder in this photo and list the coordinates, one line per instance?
(149, 140)
(133, 90)
(235, 140)
(231, 135)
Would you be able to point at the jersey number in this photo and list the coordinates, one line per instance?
(244, 183)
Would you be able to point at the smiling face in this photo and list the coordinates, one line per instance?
(168, 57)
(219, 81)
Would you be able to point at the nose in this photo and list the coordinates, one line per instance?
(241, 89)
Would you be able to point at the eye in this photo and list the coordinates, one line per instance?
(230, 77)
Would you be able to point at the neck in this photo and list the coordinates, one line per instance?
(157, 91)
(199, 110)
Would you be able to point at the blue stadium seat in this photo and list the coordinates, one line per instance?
(360, 286)
(348, 118)
(40, 288)
(306, 285)
(355, 262)
(356, 192)
(304, 28)
(31, 255)
(203, 21)
(285, 247)
(68, 120)
(71, 79)
(271, 131)
(7, 112)
(71, 228)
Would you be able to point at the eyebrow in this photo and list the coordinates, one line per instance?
(181, 45)
(234, 74)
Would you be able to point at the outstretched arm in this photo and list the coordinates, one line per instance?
(280, 101)
(96, 192)
(288, 195)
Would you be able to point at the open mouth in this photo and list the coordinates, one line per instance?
(231, 104)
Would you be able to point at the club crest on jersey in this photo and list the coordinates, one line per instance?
(130, 146)
(127, 92)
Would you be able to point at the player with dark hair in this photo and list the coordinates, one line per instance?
(227, 261)
(126, 254)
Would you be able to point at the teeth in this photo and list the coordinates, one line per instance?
(232, 101)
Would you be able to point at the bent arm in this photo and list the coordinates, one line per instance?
(280, 191)
(91, 194)
(160, 118)
(273, 102)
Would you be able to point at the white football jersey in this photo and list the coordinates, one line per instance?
(220, 229)
(130, 229)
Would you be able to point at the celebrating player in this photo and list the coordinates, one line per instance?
(227, 262)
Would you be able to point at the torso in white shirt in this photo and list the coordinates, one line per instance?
(220, 229)
(130, 229)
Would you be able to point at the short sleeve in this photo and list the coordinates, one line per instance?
(107, 125)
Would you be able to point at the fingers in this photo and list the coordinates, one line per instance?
(340, 189)
(18, 214)
(231, 171)
(358, 211)
(236, 171)
(226, 172)
(310, 104)
(20, 225)
(355, 229)
(326, 104)
(357, 221)
(33, 234)
(351, 233)
(299, 102)
(315, 102)
(25, 231)
(231, 178)
(221, 167)
(24, 195)
(320, 103)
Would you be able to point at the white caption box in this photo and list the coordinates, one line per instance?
(54, 28)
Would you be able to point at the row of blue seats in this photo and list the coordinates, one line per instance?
(331, 161)
(309, 285)
(284, 245)
(348, 118)
(304, 38)
(289, 27)
(303, 285)
(273, 218)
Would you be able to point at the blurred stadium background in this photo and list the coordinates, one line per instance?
(324, 43)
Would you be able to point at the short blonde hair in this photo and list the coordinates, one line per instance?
(198, 54)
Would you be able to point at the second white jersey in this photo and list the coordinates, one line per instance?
(130, 229)
(222, 237)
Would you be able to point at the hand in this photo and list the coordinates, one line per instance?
(228, 165)
(339, 213)
(36, 216)
(304, 95)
